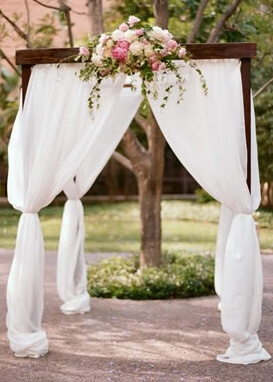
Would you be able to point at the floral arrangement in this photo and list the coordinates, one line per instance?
(134, 49)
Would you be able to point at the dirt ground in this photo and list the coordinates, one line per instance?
(133, 341)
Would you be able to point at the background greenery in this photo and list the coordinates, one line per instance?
(114, 227)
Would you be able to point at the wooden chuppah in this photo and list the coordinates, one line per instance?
(242, 51)
(228, 107)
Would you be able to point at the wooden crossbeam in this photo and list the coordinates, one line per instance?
(243, 51)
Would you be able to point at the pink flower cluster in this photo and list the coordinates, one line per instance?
(133, 48)
(121, 49)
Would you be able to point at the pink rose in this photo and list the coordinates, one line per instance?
(152, 59)
(124, 44)
(182, 52)
(123, 27)
(83, 51)
(139, 32)
(132, 20)
(162, 66)
(171, 45)
(119, 54)
(155, 66)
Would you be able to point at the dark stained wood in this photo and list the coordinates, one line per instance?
(246, 85)
(26, 71)
(198, 51)
(45, 56)
(217, 51)
(243, 51)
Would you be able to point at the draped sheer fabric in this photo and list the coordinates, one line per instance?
(207, 135)
(55, 146)
(71, 267)
(51, 137)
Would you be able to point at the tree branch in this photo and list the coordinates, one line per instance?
(263, 88)
(78, 13)
(156, 139)
(46, 6)
(221, 22)
(142, 122)
(5, 57)
(122, 160)
(197, 21)
(28, 24)
(14, 26)
(64, 8)
(132, 147)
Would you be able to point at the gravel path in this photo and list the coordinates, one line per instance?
(133, 341)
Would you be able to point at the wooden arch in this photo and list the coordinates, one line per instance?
(243, 51)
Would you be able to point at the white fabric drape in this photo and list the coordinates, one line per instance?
(207, 135)
(71, 267)
(51, 137)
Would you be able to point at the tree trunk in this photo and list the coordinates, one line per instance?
(161, 13)
(150, 250)
(198, 20)
(96, 16)
(150, 191)
(148, 167)
(267, 194)
(221, 22)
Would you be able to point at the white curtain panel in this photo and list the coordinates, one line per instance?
(71, 267)
(207, 135)
(51, 137)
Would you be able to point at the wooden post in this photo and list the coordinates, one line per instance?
(246, 85)
(26, 71)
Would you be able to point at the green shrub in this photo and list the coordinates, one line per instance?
(178, 277)
(264, 217)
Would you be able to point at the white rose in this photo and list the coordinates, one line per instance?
(96, 60)
(107, 52)
(136, 48)
(117, 35)
(99, 49)
(130, 35)
(156, 33)
(104, 37)
(160, 34)
(167, 35)
(109, 44)
(148, 50)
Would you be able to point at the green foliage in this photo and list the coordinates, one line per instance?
(179, 277)
(264, 218)
(261, 17)
(43, 32)
(264, 120)
(203, 196)
(8, 107)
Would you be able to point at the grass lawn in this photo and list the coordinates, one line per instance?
(114, 227)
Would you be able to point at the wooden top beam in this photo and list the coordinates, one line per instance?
(198, 51)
